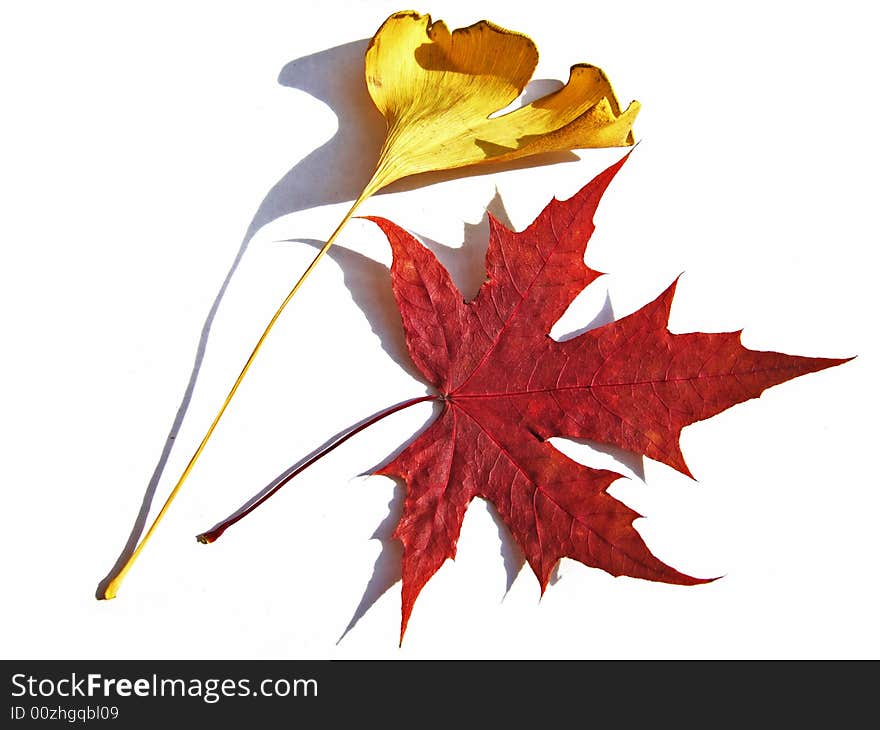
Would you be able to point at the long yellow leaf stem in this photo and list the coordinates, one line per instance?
(113, 585)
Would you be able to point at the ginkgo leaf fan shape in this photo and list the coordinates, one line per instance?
(439, 92)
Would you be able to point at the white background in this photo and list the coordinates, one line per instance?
(140, 143)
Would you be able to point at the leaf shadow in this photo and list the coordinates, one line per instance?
(369, 283)
(387, 568)
(328, 77)
(466, 264)
(511, 555)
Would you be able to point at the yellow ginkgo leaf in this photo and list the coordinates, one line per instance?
(439, 92)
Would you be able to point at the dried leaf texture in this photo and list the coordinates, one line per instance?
(507, 387)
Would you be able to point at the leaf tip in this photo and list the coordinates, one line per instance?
(406, 611)
(683, 468)
(495, 223)
(389, 228)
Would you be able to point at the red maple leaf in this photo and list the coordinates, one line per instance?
(507, 386)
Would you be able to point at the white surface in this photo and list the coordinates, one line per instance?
(138, 143)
